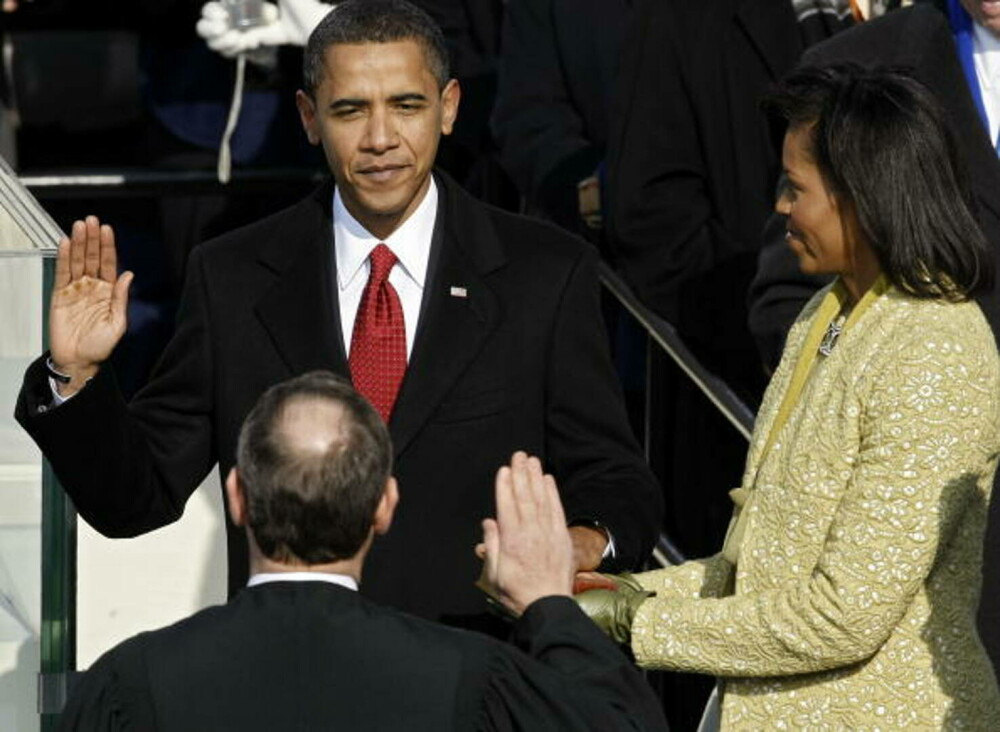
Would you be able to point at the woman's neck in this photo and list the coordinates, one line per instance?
(861, 279)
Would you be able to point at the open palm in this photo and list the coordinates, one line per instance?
(87, 312)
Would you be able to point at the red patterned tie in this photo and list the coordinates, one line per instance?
(378, 344)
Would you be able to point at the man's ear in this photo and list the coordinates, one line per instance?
(386, 507)
(235, 498)
(450, 97)
(307, 113)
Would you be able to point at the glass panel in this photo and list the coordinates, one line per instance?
(25, 228)
(35, 634)
(20, 494)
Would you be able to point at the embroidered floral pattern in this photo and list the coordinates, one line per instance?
(852, 602)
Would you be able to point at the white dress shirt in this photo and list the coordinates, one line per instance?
(344, 580)
(986, 52)
(411, 243)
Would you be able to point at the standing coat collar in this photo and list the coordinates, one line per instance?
(300, 311)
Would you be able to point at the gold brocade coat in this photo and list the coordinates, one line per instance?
(858, 552)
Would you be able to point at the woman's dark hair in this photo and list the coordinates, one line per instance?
(884, 149)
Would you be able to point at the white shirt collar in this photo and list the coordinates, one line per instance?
(986, 53)
(343, 580)
(986, 47)
(985, 39)
(410, 242)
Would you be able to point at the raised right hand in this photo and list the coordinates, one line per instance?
(529, 554)
(87, 310)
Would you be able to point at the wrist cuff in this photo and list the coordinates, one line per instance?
(56, 374)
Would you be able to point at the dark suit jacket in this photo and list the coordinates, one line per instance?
(691, 164)
(918, 39)
(521, 362)
(315, 656)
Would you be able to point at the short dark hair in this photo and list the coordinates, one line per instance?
(309, 506)
(883, 147)
(374, 21)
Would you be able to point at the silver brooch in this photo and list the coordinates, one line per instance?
(833, 332)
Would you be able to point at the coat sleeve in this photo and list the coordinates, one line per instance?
(129, 468)
(711, 577)
(566, 675)
(590, 447)
(917, 470)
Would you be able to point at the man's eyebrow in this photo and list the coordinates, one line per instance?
(394, 99)
(348, 102)
(408, 97)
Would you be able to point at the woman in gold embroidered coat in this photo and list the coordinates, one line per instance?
(845, 595)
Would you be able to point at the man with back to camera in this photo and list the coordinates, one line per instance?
(299, 648)
(484, 337)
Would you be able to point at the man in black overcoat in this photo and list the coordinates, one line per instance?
(504, 348)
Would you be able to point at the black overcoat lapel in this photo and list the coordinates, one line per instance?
(299, 311)
(459, 312)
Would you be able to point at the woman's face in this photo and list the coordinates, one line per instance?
(814, 230)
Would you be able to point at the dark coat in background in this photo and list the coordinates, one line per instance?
(509, 354)
(691, 169)
(920, 40)
(691, 172)
(557, 74)
(692, 165)
(312, 655)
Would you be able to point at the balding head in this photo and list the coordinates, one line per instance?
(313, 459)
(312, 427)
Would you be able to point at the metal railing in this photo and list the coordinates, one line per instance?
(665, 336)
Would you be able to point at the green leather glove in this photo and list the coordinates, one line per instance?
(613, 610)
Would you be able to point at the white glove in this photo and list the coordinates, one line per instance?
(288, 22)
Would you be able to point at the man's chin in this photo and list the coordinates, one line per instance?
(381, 217)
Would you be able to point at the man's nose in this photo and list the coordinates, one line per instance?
(381, 133)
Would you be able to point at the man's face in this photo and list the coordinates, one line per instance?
(379, 114)
(985, 12)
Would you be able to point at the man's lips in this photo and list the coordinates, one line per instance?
(381, 173)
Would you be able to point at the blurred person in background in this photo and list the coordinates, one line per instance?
(551, 120)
